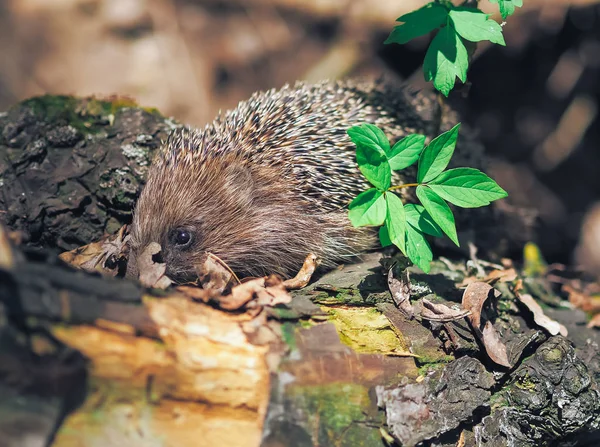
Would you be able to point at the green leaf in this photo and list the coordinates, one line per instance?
(418, 23)
(374, 167)
(474, 25)
(368, 208)
(446, 59)
(507, 7)
(420, 219)
(371, 148)
(436, 156)
(406, 151)
(384, 236)
(369, 135)
(467, 188)
(418, 249)
(395, 220)
(439, 210)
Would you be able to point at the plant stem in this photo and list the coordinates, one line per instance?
(406, 185)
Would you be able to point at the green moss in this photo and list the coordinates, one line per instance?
(349, 296)
(524, 383)
(427, 364)
(88, 115)
(551, 355)
(366, 330)
(498, 400)
(305, 324)
(339, 414)
(288, 331)
(284, 313)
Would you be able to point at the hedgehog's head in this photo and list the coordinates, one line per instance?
(222, 204)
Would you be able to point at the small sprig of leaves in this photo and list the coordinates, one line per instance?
(406, 225)
(447, 57)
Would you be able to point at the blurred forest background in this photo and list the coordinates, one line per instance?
(534, 102)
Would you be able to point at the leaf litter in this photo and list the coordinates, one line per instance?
(218, 283)
(475, 296)
(107, 256)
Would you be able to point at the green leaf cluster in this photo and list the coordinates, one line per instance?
(507, 7)
(447, 57)
(407, 225)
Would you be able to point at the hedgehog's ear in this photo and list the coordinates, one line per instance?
(239, 176)
(240, 181)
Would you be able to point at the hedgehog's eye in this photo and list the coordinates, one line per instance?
(181, 237)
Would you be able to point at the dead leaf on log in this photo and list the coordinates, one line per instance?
(441, 312)
(104, 256)
(473, 299)
(476, 294)
(507, 275)
(584, 301)
(305, 274)
(152, 273)
(496, 275)
(540, 318)
(214, 274)
(269, 291)
(400, 291)
(255, 293)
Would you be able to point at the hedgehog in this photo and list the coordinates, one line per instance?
(269, 182)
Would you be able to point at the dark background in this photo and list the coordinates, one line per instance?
(534, 101)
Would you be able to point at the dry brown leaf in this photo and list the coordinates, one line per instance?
(241, 294)
(214, 274)
(466, 281)
(494, 347)
(274, 293)
(496, 275)
(258, 292)
(507, 275)
(582, 300)
(594, 322)
(400, 290)
(518, 286)
(474, 297)
(305, 274)
(540, 318)
(269, 291)
(441, 312)
(103, 256)
(152, 274)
